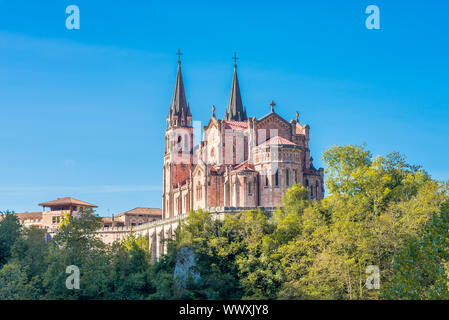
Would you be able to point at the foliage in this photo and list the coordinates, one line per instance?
(9, 232)
(421, 267)
(379, 211)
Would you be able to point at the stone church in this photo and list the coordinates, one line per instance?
(242, 163)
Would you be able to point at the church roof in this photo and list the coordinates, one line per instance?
(66, 201)
(277, 140)
(235, 125)
(244, 166)
(179, 102)
(217, 170)
(235, 109)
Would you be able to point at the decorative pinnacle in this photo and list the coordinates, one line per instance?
(179, 54)
(213, 111)
(297, 116)
(235, 59)
(272, 104)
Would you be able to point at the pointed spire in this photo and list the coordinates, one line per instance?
(179, 95)
(235, 110)
(179, 109)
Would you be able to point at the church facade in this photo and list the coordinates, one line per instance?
(241, 163)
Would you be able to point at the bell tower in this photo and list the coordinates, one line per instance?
(178, 155)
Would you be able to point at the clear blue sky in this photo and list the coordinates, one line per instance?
(82, 112)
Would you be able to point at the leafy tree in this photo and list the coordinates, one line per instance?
(29, 252)
(215, 265)
(131, 273)
(421, 268)
(15, 284)
(10, 229)
(374, 206)
(77, 244)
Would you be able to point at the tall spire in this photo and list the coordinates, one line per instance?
(235, 109)
(179, 108)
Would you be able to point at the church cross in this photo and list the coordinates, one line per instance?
(179, 54)
(272, 104)
(235, 58)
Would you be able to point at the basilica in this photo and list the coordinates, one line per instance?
(242, 163)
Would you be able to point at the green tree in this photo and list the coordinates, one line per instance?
(10, 229)
(374, 206)
(130, 269)
(15, 284)
(29, 252)
(421, 268)
(77, 244)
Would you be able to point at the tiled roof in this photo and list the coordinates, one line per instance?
(144, 211)
(277, 140)
(29, 215)
(216, 170)
(244, 166)
(235, 125)
(66, 201)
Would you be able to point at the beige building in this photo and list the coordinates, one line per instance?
(119, 226)
(55, 210)
(52, 214)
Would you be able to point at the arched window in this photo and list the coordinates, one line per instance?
(307, 182)
(249, 187)
(266, 180)
(179, 144)
(287, 177)
(276, 178)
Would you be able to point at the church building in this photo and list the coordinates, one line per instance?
(242, 163)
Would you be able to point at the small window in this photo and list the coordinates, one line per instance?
(276, 178)
(287, 177)
(266, 180)
(249, 187)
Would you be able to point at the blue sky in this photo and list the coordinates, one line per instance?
(82, 112)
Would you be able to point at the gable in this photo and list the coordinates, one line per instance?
(273, 125)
